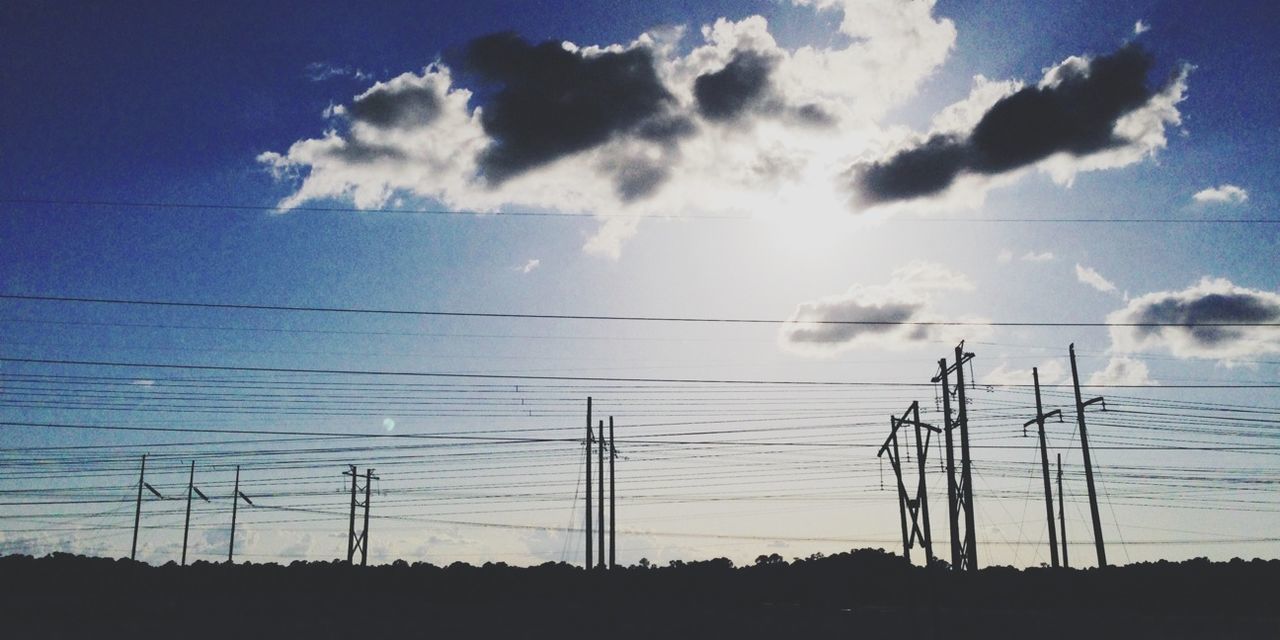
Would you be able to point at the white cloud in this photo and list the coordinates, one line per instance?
(1004, 257)
(1032, 256)
(1223, 194)
(888, 316)
(1124, 371)
(1051, 372)
(772, 159)
(1094, 279)
(1194, 312)
(529, 266)
(1140, 28)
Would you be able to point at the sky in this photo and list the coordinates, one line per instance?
(995, 167)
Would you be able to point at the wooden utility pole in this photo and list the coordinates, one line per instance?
(137, 514)
(1041, 416)
(351, 523)
(966, 472)
(600, 507)
(236, 496)
(613, 528)
(364, 536)
(587, 519)
(1088, 464)
(953, 520)
(1062, 515)
(186, 525)
(235, 502)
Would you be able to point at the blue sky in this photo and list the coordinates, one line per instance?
(764, 211)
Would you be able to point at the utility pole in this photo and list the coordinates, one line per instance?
(613, 528)
(1062, 515)
(186, 526)
(137, 514)
(236, 497)
(953, 522)
(1088, 464)
(587, 519)
(964, 552)
(966, 473)
(600, 507)
(364, 536)
(918, 506)
(361, 541)
(1041, 416)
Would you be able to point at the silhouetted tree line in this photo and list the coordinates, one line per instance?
(862, 593)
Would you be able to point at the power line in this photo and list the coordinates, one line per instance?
(637, 380)
(611, 318)
(471, 213)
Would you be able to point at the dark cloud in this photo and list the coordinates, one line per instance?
(555, 102)
(354, 151)
(850, 309)
(813, 114)
(1076, 114)
(637, 180)
(1197, 309)
(402, 107)
(742, 83)
(1206, 309)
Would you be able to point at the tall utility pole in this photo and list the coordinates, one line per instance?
(186, 526)
(364, 535)
(600, 454)
(1062, 515)
(351, 525)
(964, 552)
(1088, 464)
(918, 506)
(137, 514)
(236, 497)
(587, 519)
(359, 541)
(953, 523)
(1041, 416)
(613, 528)
(966, 472)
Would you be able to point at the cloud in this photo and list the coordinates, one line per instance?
(1207, 303)
(1083, 115)
(883, 315)
(1224, 194)
(1123, 371)
(1004, 257)
(321, 71)
(404, 102)
(1094, 279)
(1032, 256)
(1140, 28)
(726, 93)
(623, 128)
(557, 100)
(1051, 372)
(529, 266)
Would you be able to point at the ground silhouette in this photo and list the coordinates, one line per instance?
(863, 593)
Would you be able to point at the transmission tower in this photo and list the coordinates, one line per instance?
(964, 550)
(916, 509)
(360, 541)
